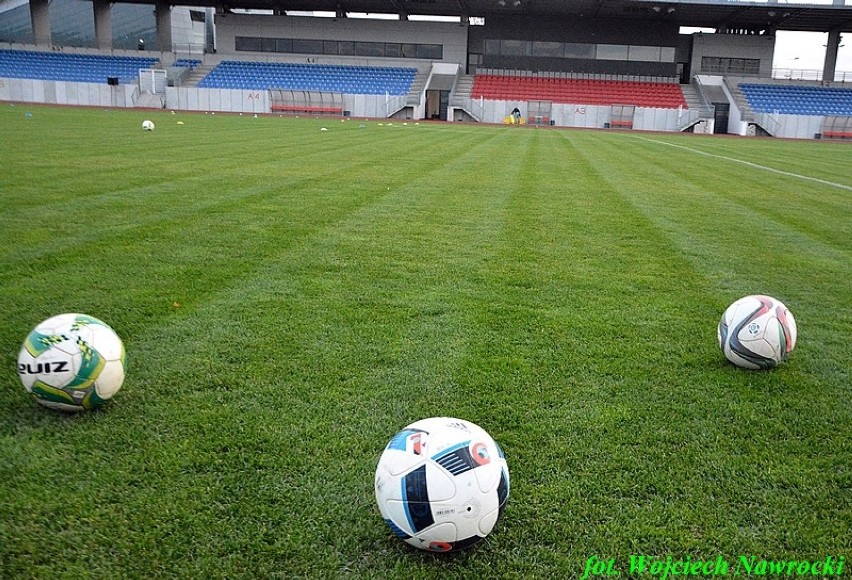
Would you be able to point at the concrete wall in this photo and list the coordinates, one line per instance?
(239, 101)
(219, 100)
(581, 116)
(799, 126)
(733, 46)
(450, 35)
(67, 93)
(580, 30)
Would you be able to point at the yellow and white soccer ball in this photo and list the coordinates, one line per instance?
(72, 362)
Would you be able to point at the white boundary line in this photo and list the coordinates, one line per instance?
(750, 164)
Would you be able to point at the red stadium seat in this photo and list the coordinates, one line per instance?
(579, 91)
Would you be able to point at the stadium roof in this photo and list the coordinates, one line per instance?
(732, 14)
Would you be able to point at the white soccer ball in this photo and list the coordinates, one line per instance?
(442, 484)
(72, 362)
(757, 332)
(147, 125)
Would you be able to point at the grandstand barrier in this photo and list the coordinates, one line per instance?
(93, 94)
(224, 100)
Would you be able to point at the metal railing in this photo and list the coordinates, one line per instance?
(769, 121)
(804, 74)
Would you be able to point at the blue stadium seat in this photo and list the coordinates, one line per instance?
(797, 100)
(304, 77)
(70, 67)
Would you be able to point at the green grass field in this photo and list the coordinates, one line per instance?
(290, 298)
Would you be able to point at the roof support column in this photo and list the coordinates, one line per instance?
(831, 47)
(164, 25)
(40, 16)
(103, 24)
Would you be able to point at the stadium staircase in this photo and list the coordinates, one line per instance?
(415, 93)
(198, 73)
(691, 97)
(694, 110)
(462, 94)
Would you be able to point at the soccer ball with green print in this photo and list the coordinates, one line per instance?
(72, 362)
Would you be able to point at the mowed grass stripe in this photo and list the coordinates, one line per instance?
(806, 203)
(823, 160)
(802, 257)
(743, 249)
(195, 440)
(746, 211)
(578, 279)
(194, 188)
(513, 276)
(779, 402)
(182, 222)
(311, 413)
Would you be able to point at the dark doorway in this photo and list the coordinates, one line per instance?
(436, 104)
(723, 110)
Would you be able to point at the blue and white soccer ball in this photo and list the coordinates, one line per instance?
(757, 332)
(147, 125)
(442, 484)
(72, 362)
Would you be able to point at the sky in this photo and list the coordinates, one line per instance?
(806, 50)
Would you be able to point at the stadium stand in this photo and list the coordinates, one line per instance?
(190, 63)
(310, 77)
(660, 95)
(797, 100)
(60, 66)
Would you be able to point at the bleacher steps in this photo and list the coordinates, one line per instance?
(197, 74)
(460, 98)
(739, 99)
(464, 87)
(690, 95)
(415, 94)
